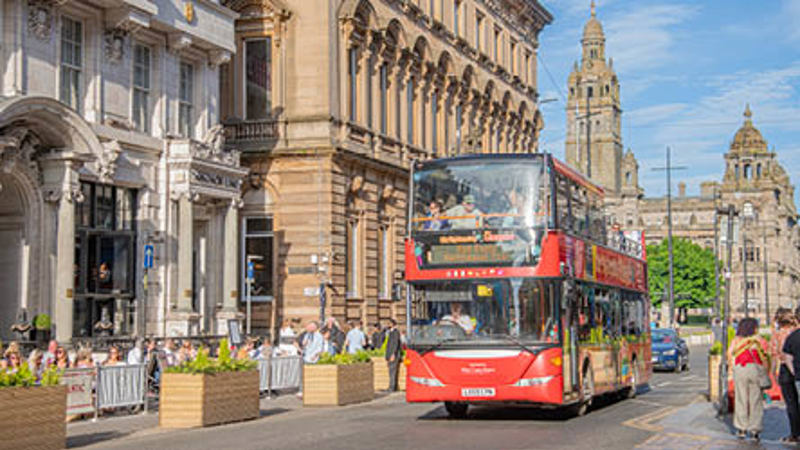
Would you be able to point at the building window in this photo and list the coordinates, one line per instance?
(758, 171)
(71, 62)
(410, 110)
(141, 87)
(258, 61)
(384, 85)
(434, 121)
(512, 63)
(456, 17)
(431, 8)
(352, 74)
(384, 262)
(398, 120)
(353, 256)
(478, 26)
(185, 103)
(104, 270)
(590, 92)
(748, 171)
(627, 178)
(459, 124)
(736, 171)
(446, 121)
(496, 44)
(258, 246)
(370, 74)
(527, 67)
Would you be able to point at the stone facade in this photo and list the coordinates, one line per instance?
(108, 143)
(352, 91)
(753, 181)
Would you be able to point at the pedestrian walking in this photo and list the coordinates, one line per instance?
(787, 323)
(393, 349)
(750, 377)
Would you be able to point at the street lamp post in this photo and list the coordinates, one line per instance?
(730, 212)
(671, 291)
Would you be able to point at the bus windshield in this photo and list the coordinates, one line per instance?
(478, 212)
(488, 311)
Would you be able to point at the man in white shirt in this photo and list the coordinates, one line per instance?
(313, 343)
(356, 339)
(136, 355)
(470, 215)
(457, 318)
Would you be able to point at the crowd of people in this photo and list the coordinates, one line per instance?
(157, 354)
(755, 360)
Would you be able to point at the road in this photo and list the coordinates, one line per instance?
(390, 423)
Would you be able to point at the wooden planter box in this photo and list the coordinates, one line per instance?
(714, 362)
(188, 400)
(380, 370)
(33, 417)
(330, 385)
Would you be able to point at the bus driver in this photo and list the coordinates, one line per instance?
(457, 318)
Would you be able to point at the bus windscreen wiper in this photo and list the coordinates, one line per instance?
(518, 343)
(438, 345)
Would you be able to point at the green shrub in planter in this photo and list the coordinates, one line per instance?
(202, 364)
(343, 359)
(25, 378)
(715, 349)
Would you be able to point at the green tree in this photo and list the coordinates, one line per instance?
(694, 273)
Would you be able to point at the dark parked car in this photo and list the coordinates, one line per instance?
(670, 352)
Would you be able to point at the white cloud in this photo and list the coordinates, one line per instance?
(643, 37)
(654, 114)
(790, 12)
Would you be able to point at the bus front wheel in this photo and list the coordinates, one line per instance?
(456, 410)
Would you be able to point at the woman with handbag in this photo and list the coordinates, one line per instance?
(750, 377)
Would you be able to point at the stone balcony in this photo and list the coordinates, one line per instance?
(250, 134)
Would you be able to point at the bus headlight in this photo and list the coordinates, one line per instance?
(433, 382)
(527, 382)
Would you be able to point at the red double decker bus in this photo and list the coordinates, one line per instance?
(517, 292)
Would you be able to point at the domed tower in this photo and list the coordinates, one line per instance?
(594, 140)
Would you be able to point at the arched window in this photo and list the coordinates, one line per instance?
(410, 110)
(748, 171)
(383, 101)
(736, 171)
(628, 177)
(370, 72)
(352, 76)
(758, 171)
(434, 120)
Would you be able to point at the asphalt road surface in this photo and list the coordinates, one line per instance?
(390, 423)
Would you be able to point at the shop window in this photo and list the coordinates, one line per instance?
(104, 270)
(353, 258)
(258, 247)
(384, 261)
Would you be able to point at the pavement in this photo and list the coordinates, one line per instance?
(672, 413)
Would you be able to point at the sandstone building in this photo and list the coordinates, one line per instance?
(753, 181)
(329, 101)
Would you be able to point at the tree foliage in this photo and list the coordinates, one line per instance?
(694, 273)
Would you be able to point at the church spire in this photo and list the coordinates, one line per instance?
(594, 12)
(594, 39)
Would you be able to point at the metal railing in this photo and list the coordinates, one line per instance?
(282, 372)
(120, 386)
(250, 130)
(626, 245)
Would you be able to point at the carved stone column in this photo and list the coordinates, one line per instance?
(61, 188)
(230, 292)
(182, 319)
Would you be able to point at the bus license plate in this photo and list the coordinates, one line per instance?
(477, 392)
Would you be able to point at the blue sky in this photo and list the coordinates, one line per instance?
(686, 70)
